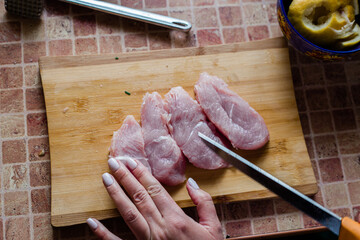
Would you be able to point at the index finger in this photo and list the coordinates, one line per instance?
(157, 192)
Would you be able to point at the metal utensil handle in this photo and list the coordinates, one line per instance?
(135, 14)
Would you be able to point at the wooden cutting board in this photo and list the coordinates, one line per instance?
(86, 102)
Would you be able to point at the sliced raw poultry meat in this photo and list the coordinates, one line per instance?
(186, 120)
(128, 141)
(231, 114)
(165, 157)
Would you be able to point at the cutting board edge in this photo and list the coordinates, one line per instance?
(51, 62)
(63, 220)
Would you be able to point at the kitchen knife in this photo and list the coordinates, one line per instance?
(345, 228)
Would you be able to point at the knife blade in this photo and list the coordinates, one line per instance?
(349, 228)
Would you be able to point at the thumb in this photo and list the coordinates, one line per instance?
(205, 207)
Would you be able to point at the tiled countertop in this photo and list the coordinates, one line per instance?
(328, 98)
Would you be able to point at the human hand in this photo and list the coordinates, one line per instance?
(149, 211)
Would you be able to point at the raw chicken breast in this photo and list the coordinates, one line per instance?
(231, 114)
(128, 141)
(187, 119)
(165, 157)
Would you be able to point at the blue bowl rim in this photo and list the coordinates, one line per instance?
(321, 48)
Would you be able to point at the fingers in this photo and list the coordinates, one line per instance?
(135, 190)
(100, 230)
(127, 209)
(162, 199)
(205, 206)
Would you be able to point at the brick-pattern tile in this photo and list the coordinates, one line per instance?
(137, 4)
(56, 8)
(321, 122)
(179, 3)
(108, 24)
(351, 167)
(335, 73)
(13, 151)
(15, 177)
(38, 149)
(59, 27)
(17, 228)
(238, 228)
(344, 119)
(85, 46)
(16, 203)
(335, 195)
(289, 222)
(159, 40)
(353, 71)
(310, 147)
(12, 126)
(265, 225)
(271, 13)
(317, 99)
(11, 77)
(312, 75)
(40, 200)
(297, 79)
(203, 2)
(34, 50)
(208, 37)
(309, 222)
(304, 120)
(281, 207)
(9, 32)
(258, 32)
(230, 16)
(129, 26)
(110, 44)
(155, 3)
(33, 30)
(206, 17)
(342, 212)
(35, 99)
(181, 39)
(84, 25)
(355, 92)
(236, 211)
(10, 53)
(339, 96)
(36, 124)
(325, 146)
(32, 76)
(254, 14)
(261, 208)
(135, 42)
(300, 100)
(331, 170)
(233, 35)
(354, 191)
(60, 47)
(40, 174)
(11, 101)
(42, 227)
(349, 143)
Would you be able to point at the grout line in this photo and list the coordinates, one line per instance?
(216, 5)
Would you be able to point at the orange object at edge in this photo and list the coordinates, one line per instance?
(350, 230)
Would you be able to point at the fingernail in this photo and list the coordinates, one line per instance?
(92, 224)
(108, 180)
(193, 184)
(113, 164)
(129, 162)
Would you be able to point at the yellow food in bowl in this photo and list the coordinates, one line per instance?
(328, 23)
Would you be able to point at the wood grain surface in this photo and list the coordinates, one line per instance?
(86, 102)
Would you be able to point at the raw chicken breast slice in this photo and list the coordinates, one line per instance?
(231, 114)
(165, 157)
(128, 141)
(186, 120)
